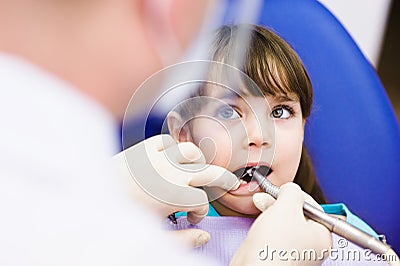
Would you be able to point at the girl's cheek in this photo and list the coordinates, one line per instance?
(216, 145)
(216, 148)
(222, 153)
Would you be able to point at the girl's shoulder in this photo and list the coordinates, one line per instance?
(342, 210)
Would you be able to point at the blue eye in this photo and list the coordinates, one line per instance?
(227, 112)
(282, 112)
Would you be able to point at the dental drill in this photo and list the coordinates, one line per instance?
(334, 224)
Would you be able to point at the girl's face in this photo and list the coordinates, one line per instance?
(235, 132)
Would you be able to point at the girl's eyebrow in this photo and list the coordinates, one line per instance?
(284, 98)
(229, 94)
(234, 95)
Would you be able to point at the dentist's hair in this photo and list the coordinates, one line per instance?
(273, 65)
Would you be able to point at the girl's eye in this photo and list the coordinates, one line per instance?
(282, 112)
(227, 112)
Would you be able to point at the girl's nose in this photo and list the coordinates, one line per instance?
(259, 133)
(257, 138)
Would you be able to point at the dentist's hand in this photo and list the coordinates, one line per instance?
(282, 227)
(164, 175)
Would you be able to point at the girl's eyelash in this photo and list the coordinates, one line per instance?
(233, 107)
(236, 109)
(284, 106)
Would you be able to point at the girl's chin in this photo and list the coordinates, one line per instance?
(251, 211)
(244, 207)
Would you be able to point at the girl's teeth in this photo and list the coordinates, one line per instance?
(243, 182)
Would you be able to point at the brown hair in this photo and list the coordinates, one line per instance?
(277, 70)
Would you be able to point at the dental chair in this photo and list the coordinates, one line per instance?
(352, 135)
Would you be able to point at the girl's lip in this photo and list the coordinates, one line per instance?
(243, 172)
(250, 187)
(251, 164)
(246, 189)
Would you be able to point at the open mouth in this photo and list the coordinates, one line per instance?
(246, 173)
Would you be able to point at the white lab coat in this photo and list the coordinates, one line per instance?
(61, 203)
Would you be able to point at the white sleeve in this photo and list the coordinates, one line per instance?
(55, 218)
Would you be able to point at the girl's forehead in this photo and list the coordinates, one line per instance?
(241, 92)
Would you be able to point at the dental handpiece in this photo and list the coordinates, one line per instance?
(334, 224)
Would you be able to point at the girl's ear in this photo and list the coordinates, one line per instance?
(304, 124)
(178, 129)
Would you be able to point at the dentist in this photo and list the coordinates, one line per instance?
(67, 71)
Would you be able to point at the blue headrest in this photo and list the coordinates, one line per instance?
(353, 135)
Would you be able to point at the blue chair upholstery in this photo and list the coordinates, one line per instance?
(352, 135)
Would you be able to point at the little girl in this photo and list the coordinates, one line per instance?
(249, 126)
(258, 120)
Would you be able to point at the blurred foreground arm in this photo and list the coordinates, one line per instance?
(163, 175)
